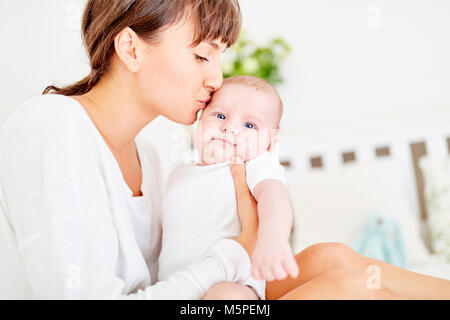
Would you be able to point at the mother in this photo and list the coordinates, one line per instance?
(79, 193)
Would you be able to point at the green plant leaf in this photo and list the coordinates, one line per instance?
(262, 61)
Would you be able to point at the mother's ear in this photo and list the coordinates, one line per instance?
(129, 49)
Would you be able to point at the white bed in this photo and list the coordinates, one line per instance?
(338, 178)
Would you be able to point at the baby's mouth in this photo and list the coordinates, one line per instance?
(224, 141)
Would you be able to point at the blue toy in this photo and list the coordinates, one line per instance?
(382, 239)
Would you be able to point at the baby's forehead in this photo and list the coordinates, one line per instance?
(256, 90)
(236, 92)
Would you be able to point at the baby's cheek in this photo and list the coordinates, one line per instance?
(252, 145)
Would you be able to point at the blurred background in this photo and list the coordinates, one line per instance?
(366, 125)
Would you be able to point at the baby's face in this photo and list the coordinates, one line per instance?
(238, 120)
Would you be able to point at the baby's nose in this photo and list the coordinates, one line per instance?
(230, 130)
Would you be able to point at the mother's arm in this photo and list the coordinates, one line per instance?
(246, 206)
(248, 214)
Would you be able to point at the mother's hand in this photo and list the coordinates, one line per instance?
(246, 206)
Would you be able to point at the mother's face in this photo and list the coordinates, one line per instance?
(177, 79)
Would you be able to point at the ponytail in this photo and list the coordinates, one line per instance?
(81, 87)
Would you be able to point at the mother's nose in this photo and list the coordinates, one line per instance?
(215, 78)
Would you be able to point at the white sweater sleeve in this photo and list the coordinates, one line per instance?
(54, 197)
(221, 264)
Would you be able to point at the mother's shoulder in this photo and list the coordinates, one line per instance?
(49, 103)
(46, 110)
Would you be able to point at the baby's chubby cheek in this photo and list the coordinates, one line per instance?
(251, 145)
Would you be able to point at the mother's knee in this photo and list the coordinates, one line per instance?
(335, 253)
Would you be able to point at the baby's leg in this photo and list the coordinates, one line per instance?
(230, 291)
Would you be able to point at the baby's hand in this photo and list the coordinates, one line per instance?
(272, 259)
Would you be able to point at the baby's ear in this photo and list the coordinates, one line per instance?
(274, 134)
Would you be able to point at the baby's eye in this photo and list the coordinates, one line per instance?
(250, 125)
(220, 116)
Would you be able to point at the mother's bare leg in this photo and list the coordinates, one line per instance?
(230, 291)
(407, 283)
(340, 284)
(313, 261)
(321, 258)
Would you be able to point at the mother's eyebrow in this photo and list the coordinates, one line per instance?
(215, 45)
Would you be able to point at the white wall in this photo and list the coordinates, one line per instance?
(358, 61)
(354, 62)
(41, 44)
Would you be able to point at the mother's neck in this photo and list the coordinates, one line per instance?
(113, 105)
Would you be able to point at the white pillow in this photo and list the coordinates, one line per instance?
(436, 174)
(332, 205)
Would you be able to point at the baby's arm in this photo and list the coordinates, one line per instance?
(272, 257)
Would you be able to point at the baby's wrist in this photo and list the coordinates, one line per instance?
(267, 235)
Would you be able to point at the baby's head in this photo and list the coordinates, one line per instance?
(242, 118)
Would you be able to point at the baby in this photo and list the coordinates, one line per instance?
(199, 206)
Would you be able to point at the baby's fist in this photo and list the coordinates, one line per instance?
(272, 259)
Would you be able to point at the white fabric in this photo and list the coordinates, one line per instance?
(199, 208)
(434, 266)
(69, 226)
(265, 166)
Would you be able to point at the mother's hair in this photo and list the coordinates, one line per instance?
(104, 19)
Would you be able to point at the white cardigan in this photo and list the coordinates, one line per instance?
(69, 226)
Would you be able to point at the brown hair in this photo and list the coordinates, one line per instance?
(104, 19)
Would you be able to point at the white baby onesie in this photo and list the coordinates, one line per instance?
(199, 208)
